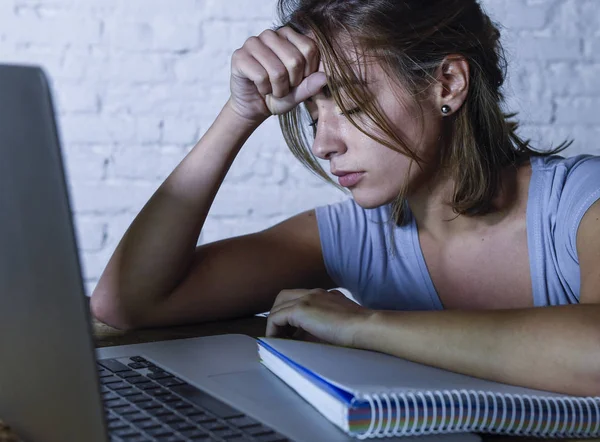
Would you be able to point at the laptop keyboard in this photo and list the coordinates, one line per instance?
(145, 403)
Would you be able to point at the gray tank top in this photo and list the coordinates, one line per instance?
(386, 270)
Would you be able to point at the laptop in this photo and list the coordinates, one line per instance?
(54, 387)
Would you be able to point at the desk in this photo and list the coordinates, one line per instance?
(106, 336)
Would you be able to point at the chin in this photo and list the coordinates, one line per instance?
(369, 200)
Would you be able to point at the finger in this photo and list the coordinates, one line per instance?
(278, 74)
(285, 296)
(309, 87)
(307, 46)
(289, 54)
(244, 65)
(280, 323)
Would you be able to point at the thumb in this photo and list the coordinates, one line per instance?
(310, 86)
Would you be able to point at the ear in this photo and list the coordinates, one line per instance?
(452, 83)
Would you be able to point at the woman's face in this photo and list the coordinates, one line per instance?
(374, 173)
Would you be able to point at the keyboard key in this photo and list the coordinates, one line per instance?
(109, 395)
(202, 418)
(138, 397)
(192, 412)
(211, 426)
(159, 375)
(171, 439)
(123, 411)
(118, 386)
(137, 379)
(113, 365)
(243, 422)
(138, 359)
(169, 398)
(146, 425)
(127, 392)
(182, 426)
(128, 374)
(146, 385)
(271, 437)
(117, 425)
(137, 417)
(227, 433)
(160, 431)
(149, 405)
(257, 431)
(171, 419)
(135, 439)
(126, 432)
(196, 434)
(113, 403)
(137, 365)
(157, 391)
(159, 411)
(109, 380)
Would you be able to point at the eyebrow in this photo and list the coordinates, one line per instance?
(326, 90)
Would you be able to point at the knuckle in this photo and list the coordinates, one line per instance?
(296, 63)
(268, 34)
(251, 42)
(279, 75)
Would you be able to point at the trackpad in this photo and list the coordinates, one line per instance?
(258, 385)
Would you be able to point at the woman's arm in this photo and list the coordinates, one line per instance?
(547, 348)
(156, 275)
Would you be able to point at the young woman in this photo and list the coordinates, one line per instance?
(465, 248)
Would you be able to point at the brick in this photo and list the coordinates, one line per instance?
(100, 129)
(93, 263)
(574, 79)
(85, 163)
(142, 164)
(91, 234)
(162, 33)
(180, 131)
(111, 197)
(204, 67)
(156, 8)
(60, 30)
(138, 68)
(554, 47)
(526, 15)
(239, 10)
(577, 110)
(75, 98)
(565, 19)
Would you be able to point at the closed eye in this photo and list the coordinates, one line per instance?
(356, 110)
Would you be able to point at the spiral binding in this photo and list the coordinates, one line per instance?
(458, 411)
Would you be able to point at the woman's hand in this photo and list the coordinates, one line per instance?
(316, 314)
(273, 73)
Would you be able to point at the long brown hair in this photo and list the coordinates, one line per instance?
(411, 39)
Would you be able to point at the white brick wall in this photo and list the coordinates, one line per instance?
(138, 81)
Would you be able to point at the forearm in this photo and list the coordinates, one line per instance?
(554, 348)
(156, 251)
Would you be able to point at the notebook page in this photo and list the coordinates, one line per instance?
(361, 371)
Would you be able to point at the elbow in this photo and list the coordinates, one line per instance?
(107, 308)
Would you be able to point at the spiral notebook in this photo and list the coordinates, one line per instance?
(369, 394)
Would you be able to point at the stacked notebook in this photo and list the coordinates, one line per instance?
(369, 394)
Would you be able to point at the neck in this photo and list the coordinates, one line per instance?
(432, 208)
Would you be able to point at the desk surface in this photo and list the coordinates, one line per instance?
(106, 336)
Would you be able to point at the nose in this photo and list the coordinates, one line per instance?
(328, 140)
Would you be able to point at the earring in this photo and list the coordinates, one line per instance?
(446, 109)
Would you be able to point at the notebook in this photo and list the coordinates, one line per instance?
(369, 394)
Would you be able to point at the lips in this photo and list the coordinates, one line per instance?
(349, 179)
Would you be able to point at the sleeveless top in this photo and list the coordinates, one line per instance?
(382, 264)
